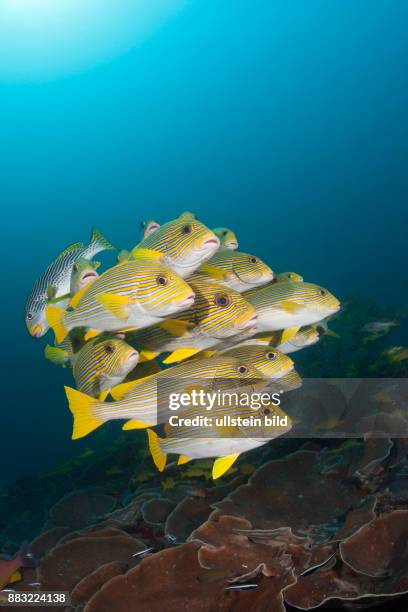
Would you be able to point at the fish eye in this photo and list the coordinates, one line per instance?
(323, 292)
(109, 348)
(29, 316)
(225, 232)
(187, 229)
(266, 411)
(270, 355)
(162, 280)
(221, 299)
(253, 260)
(75, 268)
(243, 369)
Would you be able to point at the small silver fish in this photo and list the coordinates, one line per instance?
(241, 587)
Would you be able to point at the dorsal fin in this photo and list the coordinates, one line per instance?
(72, 247)
(120, 391)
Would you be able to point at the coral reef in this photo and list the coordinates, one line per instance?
(294, 525)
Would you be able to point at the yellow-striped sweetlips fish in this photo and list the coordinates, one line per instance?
(83, 273)
(270, 361)
(217, 313)
(306, 336)
(232, 431)
(292, 276)
(148, 227)
(288, 382)
(290, 305)
(186, 242)
(239, 271)
(55, 281)
(145, 402)
(227, 238)
(103, 363)
(132, 294)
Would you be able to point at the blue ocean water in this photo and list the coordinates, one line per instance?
(285, 120)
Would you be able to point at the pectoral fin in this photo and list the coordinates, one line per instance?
(146, 355)
(291, 307)
(176, 327)
(180, 355)
(289, 333)
(61, 298)
(222, 465)
(118, 305)
(77, 297)
(212, 271)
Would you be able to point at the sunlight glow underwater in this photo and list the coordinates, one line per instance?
(45, 39)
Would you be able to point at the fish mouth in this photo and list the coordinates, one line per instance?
(232, 245)
(187, 302)
(210, 243)
(36, 330)
(288, 368)
(133, 357)
(256, 279)
(88, 275)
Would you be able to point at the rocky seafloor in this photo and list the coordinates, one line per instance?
(298, 524)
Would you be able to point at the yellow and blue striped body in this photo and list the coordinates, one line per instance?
(132, 294)
(187, 242)
(217, 313)
(201, 441)
(290, 304)
(146, 401)
(239, 271)
(102, 364)
(306, 336)
(270, 361)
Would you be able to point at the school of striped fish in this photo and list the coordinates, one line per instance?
(182, 309)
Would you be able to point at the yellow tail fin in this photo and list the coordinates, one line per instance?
(158, 456)
(222, 465)
(55, 318)
(81, 406)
